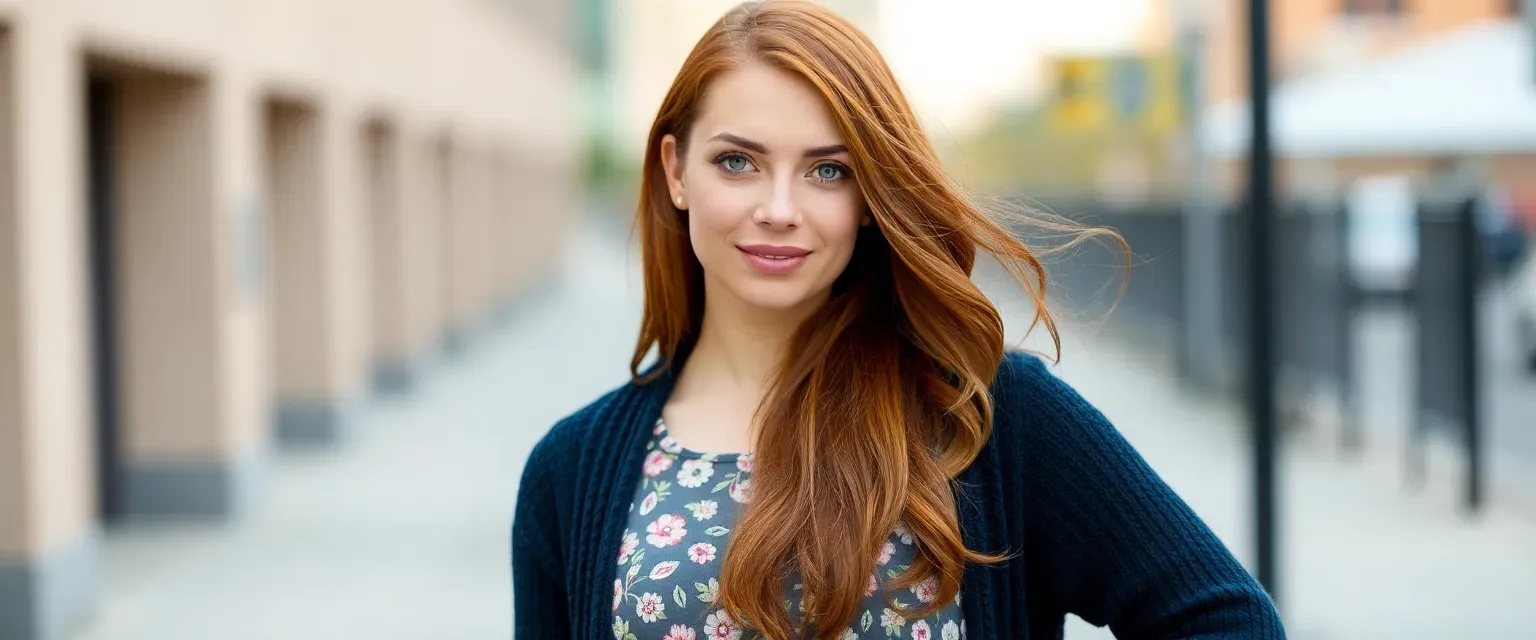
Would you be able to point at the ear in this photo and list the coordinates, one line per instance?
(672, 166)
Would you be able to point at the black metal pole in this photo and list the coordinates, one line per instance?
(1472, 262)
(1261, 317)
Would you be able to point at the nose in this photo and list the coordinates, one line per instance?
(779, 211)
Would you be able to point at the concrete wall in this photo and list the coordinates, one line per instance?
(280, 237)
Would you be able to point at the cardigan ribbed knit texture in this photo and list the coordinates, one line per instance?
(1091, 528)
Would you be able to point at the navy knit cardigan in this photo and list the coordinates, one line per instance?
(1096, 532)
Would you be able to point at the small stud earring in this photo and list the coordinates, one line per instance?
(679, 202)
(864, 222)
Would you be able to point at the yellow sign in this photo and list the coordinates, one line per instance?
(1119, 93)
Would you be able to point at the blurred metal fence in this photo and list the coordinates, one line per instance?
(1317, 302)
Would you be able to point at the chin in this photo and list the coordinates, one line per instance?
(782, 296)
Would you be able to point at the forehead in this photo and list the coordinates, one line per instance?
(777, 108)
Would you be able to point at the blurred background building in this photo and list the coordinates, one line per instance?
(269, 267)
(224, 223)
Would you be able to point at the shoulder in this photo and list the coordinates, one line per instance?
(1027, 378)
(1031, 402)
(562, 443)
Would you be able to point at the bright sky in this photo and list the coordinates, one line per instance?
(956, 57)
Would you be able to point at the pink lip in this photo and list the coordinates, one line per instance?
(774, 259)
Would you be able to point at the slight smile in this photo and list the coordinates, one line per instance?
(773, 259)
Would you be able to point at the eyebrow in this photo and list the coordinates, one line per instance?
(752, 145)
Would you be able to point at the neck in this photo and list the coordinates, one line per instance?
(739, 347)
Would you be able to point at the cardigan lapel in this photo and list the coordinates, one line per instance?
(614, 458)
(979, 529)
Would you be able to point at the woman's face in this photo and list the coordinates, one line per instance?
(773, 209)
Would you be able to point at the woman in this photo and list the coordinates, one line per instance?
(833, 441)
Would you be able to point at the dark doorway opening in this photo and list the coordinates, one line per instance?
(101, 132)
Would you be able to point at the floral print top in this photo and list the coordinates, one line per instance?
(679, 525)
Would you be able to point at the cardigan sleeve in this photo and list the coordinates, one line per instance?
(539, 593)
(1109, 541)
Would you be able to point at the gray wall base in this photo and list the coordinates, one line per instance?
(456, 341)
(216, 489)
(395, 376)
(310, 424)
(48, 597)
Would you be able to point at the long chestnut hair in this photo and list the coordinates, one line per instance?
(881, 399)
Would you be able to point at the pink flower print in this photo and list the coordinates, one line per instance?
(669, 445)
(741, 490)
(902, 533)
(874, 585)
(627, 549)
(951, 631)
(962, 630)
(744, 463)
(694, 473)
(892, 621)
(703, 509)
(618, 594)
(666, 531)
(719, 626)
(680, 632)
(660, 427)
(701, 553)
(885, 553)
(926, 590)
(657, 462)
(650, 607)
(920, 631)
(648, 504)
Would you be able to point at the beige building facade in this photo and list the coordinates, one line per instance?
(225, 223)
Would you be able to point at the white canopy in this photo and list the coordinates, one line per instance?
(1470, 92)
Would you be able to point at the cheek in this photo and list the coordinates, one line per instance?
(717, 207)
(710, 218)
(838, 224)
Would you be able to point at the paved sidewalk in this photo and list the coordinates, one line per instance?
(402, 533)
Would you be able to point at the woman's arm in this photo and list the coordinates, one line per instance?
(539, 598)
(1109, 541)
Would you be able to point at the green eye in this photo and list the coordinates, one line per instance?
(734, 163)
(830, 172)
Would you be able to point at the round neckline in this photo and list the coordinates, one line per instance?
(681, 451)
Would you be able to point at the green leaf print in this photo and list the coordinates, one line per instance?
(717, 531)
(663, 489)
(707, 592)
(630, 636)
(679, 596)
(638, 558)
(730, 479)
(866, 620)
